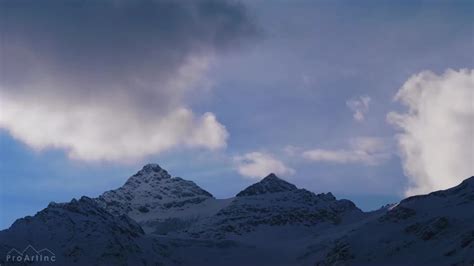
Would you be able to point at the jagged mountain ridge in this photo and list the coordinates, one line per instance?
(170, 205)
(273, 202)
(248, 229)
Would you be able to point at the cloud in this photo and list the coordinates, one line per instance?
(259, 164)
(436, 142)
(291, 150)
(360, 107)
(113, 80)
(367, 150)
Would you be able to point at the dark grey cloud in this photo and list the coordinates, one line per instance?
(108, 45)
(110, 58)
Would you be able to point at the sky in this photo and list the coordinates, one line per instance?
(371, 100)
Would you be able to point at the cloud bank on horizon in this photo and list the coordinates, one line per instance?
(112, 80)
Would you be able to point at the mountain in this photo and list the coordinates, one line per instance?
(79, 232)
(274, 204)
(159, 202)
(433, 229)
(157, 219)
(152, 189)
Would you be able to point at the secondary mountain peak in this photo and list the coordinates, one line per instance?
(270, 184)
(271, 176)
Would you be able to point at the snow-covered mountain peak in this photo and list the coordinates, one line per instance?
(152, 192)
(150, 172)
(270, 184)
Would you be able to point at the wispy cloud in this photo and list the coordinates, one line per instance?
(291, 150)
(368, 150)
(436, 142)
(359, 106)
(260, 164)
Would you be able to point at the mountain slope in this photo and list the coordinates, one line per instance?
(433, 229)
(79, 233)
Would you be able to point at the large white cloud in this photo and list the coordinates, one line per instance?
(365, 150)
(436, 143)
(113, 80)
(108, 133)
(260, 164)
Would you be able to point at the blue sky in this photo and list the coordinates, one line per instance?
(233, 92)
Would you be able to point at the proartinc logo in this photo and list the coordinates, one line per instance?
(30, 254)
